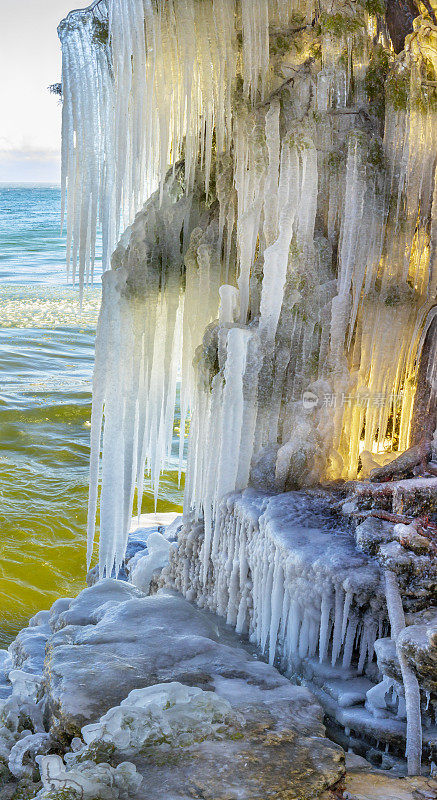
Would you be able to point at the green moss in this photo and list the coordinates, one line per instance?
(312, 364)
(281, 42)
(340, 25)
(236, 736)
(374, 81)
(335, 160)
(295, 253)
(297, 19)
(100, 31)
(239, 100)
(344, 59)
(399, 294)
(424, 94)
(315, 50)
(26, 789)
(403, 93)
(398, 90)
(375, 7)
(375, 155)
(279, 45)
(299, 139)
(99, 751)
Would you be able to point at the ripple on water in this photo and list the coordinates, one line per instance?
(50, 307)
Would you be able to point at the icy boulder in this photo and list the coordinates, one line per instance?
(87, 781)
(167, 712)
(418, 643)
(27, 651)
(5, 665)
(157, 682)
(89, 605)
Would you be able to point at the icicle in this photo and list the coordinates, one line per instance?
(349, 642)
(346, 608)
(276, 607)
(255, 14)
(324, 626)
(338, 619)
(276, 256)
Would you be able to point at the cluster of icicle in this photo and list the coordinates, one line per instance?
(157, 86)
(283, 217)
(277, 572)
(88, 157)
(155, 308)
(298, 591)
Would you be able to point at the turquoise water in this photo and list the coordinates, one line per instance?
(46, 359)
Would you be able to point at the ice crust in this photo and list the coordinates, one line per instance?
(168, 712)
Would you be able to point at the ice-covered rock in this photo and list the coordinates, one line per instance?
(168, 712)
(364, 782)
(87, 780)
(22, 758)
(89, 606)
(217, 705)
(5, 666)
(418, 643)
(27, 651)
(310, 592)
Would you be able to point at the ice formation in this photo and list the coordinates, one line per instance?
(319, 598)
(272, 166)
(87, 154)
(142, 566)
(169, 712)
(299, 588)
(87, 780)
(270, 195)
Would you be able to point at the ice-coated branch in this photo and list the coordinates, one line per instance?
(411, 685)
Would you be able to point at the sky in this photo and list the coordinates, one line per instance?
(30, 117)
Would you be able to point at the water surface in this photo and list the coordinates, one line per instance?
(46, 359)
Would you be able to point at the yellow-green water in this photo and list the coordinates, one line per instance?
(46, 357)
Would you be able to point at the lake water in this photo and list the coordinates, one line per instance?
(46, 359)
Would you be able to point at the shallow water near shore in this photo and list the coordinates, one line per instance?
(46, 360)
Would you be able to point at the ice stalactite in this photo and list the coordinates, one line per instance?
(88, 158)
(285, 245)
(145, 319)
(296, 590)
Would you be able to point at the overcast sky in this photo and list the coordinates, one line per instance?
(30, 117)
